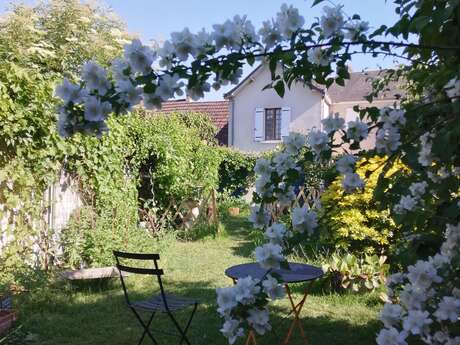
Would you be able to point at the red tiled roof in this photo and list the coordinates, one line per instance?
(218, 111)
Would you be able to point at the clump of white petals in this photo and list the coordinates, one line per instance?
(269, 256)
(332, 21)
(333, 123)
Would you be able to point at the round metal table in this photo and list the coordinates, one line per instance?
(298, 273)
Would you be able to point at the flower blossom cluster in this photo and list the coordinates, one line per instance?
(414, 199)
(429, 298)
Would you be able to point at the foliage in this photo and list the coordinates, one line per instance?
(355, 273)
(354, 222)
(236, 171)
(172, 156)
(90, 238)
(38, 46)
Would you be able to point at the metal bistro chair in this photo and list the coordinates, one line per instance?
(162, 302)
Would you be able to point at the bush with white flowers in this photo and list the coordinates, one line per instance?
(423, 133)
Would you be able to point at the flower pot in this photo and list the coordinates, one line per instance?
(234, 211)
(7, 318)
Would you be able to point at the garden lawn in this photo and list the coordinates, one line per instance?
(63, 316)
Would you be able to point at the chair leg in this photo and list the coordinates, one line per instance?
(145, 327)
(189, 322)
(182, 332)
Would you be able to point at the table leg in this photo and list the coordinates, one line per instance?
(296, 309)
(251, 337)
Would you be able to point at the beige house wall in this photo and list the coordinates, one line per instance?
(306, 110)
(342, 107)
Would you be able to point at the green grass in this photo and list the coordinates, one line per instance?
(63, 316)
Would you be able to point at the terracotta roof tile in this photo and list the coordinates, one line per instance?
(218, 111)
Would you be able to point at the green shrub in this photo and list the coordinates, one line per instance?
(357, 274)
(90, 238)
(236, 171)
(353, 222)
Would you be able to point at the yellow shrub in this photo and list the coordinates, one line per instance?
(353, 221)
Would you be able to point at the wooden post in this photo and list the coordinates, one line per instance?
(214, 208)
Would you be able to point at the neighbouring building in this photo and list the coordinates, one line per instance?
(259, 119)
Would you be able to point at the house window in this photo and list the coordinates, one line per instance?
(273, 124)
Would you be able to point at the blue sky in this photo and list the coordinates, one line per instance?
(156, 19)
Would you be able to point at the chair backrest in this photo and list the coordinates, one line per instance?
(156, 271)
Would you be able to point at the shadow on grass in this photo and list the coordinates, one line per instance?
(102, 317)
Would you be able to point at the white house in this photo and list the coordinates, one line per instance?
(259, 119)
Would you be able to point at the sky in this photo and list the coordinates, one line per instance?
(156, 19)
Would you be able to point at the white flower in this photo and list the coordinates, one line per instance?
(417, 189)
(263, 186)
(294, 142)
(284, 162)
(231, 330)
(95, 77)
(258, 320)
(166, 54)
(391, 337)
(413, 297)
(285, 197)
(406, 203)
(289, 20)
(417, 321)
(120, 68)
(357, 130)
(263, 167)
(203, 42)
(355, 29)
(139, 56)
(269, 256)
(352, 182)
(304, 219)
(391, 314)
(272, 288)
(333, 123)
(392, 117)
(270, 34)
(276, 233)
(425, 157)
(231, 34)
(246, 289)
(448, 309)
(318, 56)
(197, 91)
(452, 239)
(423, 274)
(69, 92)
(387, 140)
(259, 217)
(332, 20)
(226, 300)
(183, 43)
(453, 88)
(346, 164)
(168, 85)
(128, 92)
(95, 110)
(318, 141)
(438, 260)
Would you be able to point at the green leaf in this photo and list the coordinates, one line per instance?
(279, 88)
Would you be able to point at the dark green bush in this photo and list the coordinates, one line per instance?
(236, 171)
